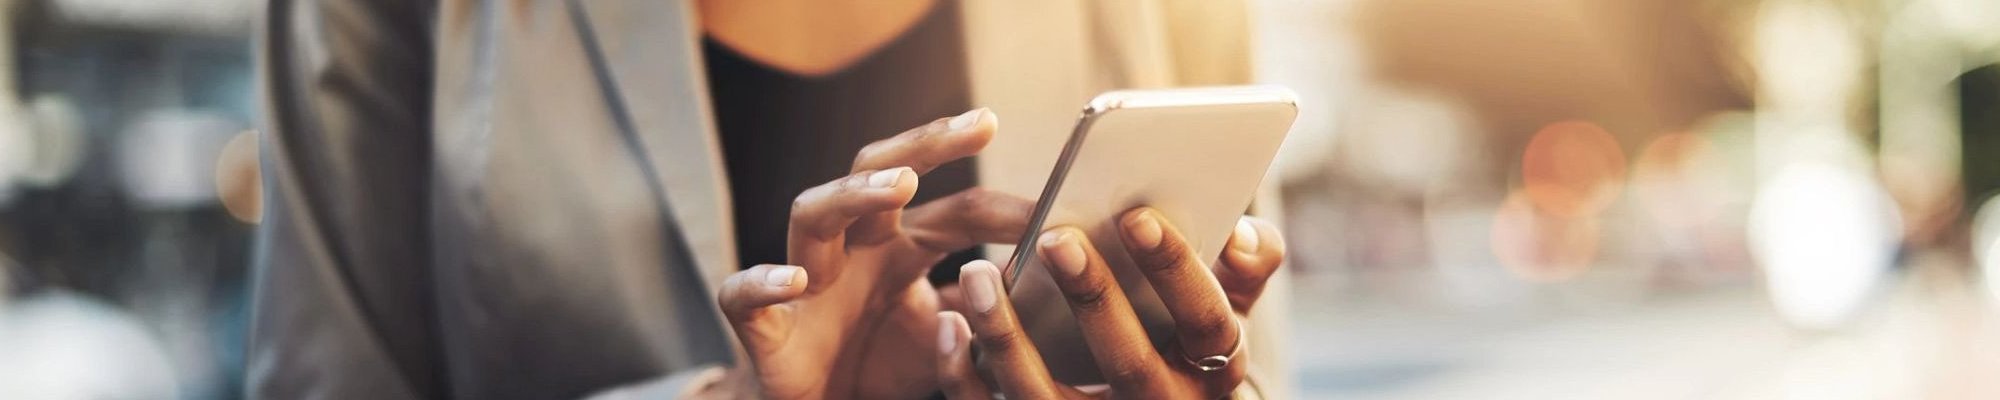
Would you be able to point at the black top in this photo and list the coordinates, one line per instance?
(783, 133)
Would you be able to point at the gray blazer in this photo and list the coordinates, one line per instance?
(497, 199)
(483, 200)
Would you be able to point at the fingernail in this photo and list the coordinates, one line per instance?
(1145, 229)
(965, 120)
(1062, 249)
(947, 332)
(982, 285)
(887, 178)
(1245, 240)
(1094, 389)
(781, 277)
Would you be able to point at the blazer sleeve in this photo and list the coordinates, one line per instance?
(341, 279)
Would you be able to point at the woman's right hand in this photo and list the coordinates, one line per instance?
(849, 317)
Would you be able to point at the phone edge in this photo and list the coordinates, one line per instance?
(1025, 248)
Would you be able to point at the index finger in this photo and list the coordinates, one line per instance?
(926, 147)
(921, 149)
(817, 231)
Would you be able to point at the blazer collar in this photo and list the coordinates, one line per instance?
(652, 52)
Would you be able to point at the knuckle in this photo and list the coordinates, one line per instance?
(1001, 342)
(732, 304)
(804, 202)
(1168, 264)
(726, 298)
(873, 150)
(801, 205)
(1171, 257)
(1130, 374)
(984, 205)
(1209, 326)
(969, 201)
(1090, 298)
(804, 205)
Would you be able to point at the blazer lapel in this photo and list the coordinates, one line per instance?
(653, 53)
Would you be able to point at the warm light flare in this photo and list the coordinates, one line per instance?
(1676, 180)
(1572, 169)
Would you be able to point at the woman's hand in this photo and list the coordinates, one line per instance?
(841, 321)
(1207, 360)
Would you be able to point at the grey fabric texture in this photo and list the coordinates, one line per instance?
(460, 205)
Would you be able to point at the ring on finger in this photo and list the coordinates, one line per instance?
(1216, 362)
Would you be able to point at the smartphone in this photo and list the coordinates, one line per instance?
(1197, 155)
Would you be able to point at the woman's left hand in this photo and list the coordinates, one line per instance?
(1206, 361)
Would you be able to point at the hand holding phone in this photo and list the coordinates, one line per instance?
(1118, 289)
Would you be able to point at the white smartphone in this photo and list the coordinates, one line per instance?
(1197, 155)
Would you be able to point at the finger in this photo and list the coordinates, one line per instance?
(749, 291)
(956, 374)
(961, 221)
(922, 149)
(926, 147)
(1017, 367)
(951, 298)
(754, 302)
(822, 214)
(1203, 322)
(1117, 341)
(968, 218)
(1256, 250)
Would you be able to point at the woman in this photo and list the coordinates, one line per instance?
(518, 199)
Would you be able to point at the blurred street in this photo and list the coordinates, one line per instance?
(1929, 338)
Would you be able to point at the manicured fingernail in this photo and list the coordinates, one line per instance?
(1063, 250)
(982, 285)
(1245, 240)
(1094, 389)
(947, 332)
(887, 178)
(781, 277)
(965, 120)
(1145, 229)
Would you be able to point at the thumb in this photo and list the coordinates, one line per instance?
(756, 303)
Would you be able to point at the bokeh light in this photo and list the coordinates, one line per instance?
(1677, 180)
(167, 159)
(1541, 247)
(1825, 236)
(1572, 169)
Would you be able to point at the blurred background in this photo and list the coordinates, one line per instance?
(1484, 199)
(123, 270)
